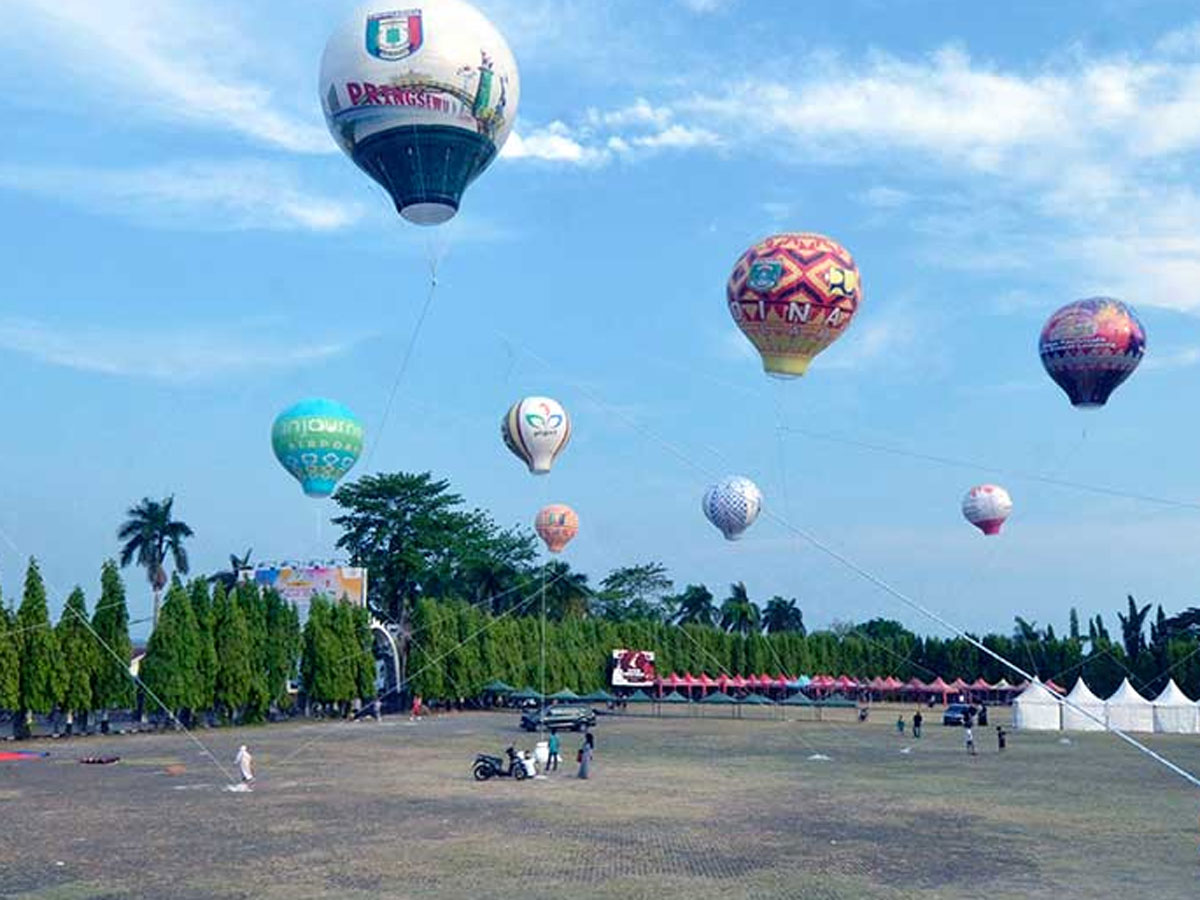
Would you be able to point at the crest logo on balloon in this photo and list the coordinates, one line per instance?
(764, 276)
(393, 36)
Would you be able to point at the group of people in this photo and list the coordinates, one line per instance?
(971, 716)
(584, 757)
(917, 721)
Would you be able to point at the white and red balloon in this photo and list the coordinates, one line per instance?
(987, 507)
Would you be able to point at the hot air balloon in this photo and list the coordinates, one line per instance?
(732, 505)
(987, 507)
(557, 525)
(422, 100)
(318, 441)
(537, 429)
(1089, 347)
(793, 295)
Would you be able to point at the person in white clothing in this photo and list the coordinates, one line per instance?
(245, 764)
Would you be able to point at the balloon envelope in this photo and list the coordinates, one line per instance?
(318, 441)
(732, 505)
(557, 525)
(987, 507)
(422, 99)
(793, 295)
(537, 430)
(1090, 347)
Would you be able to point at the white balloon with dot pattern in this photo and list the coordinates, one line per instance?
(732, 505)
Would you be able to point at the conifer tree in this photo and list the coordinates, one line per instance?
(42, 672)
(171, 669)
(112, 687)
(80, 656)
(283, 647)
(206, 667)
(232, 639)
(10, 662)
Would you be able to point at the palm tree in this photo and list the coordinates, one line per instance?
(1132, 626)
(782, 615)
(229, 580)
(567, 592)
(695, 606)
(738, 613)
(150, 534)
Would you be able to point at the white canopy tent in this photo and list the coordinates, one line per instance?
(1037, 708)
(1174, 713)
(1128, 710)
(1088, 704)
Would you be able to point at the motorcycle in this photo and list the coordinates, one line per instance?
(487, 766)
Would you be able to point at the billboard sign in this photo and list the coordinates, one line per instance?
(633, 668)
(299, 583)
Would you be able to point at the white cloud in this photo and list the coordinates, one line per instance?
(883, 197)
(706, 6)
(173, 356)
(169, 59)
(206, 195)
(554, 143)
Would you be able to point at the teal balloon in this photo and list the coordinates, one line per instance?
(318, 441)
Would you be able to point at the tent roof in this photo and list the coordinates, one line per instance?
(1037, 693)
(837, 704)
(1172, 695)
(498, 687)
(802, 681)
(798, 700)
(674, 697)
(706, 681)
(718, 697)
(639, 697)
(526, 693)
(598, 697)
(980, 684)
(757, 700)
(1127, 695)
(1082, 695)
(564, 694)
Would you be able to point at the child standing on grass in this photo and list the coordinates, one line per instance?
(900, 726)
(555, 758)
(969, 737)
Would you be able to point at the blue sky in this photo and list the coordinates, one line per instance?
(185, 253)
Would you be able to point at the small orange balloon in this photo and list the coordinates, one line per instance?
(793, 295)
(557, 525)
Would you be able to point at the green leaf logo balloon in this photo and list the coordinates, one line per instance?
(318, 441)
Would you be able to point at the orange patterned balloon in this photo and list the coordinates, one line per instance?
(557, 525)
(793, 295)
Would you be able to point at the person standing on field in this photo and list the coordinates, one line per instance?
(555, 757)
(245, 763)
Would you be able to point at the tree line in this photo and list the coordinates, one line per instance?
(464, 597)
(224, 656)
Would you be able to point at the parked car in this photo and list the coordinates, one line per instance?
(956, 714)
(557, 718)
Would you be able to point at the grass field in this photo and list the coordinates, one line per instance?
(677, 807)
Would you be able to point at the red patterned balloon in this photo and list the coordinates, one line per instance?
(1089, 347)
(793, 295)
